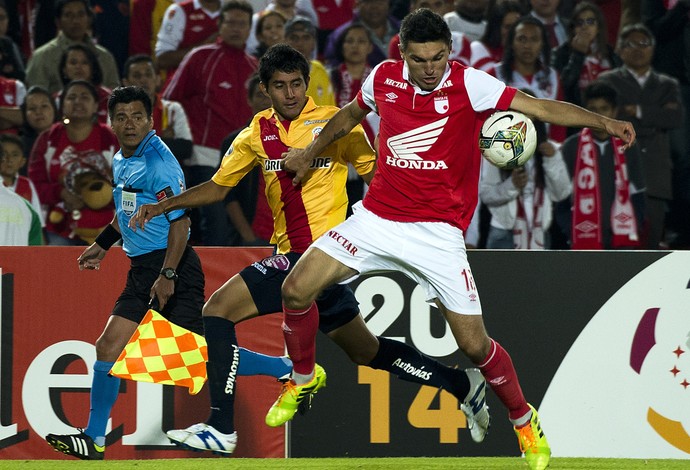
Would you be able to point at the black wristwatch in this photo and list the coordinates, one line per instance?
(169, 273)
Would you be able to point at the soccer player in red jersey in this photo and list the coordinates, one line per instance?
(422, 198)
(301, 214)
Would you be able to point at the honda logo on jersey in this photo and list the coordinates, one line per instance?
(406, 147)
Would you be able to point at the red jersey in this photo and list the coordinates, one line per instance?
(55, 161)
(209, 79)
(428, 157)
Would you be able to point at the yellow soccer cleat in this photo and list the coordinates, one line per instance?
(292, 396)
(533, 443)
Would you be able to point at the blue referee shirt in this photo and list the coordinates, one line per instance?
(150, 175)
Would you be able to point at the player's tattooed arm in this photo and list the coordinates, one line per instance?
(298, 161)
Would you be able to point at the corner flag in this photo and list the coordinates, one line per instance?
(161, 352)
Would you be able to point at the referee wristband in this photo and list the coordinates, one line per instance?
(108, 237)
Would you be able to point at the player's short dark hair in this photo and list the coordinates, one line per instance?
(282, 58)
(129, 94)
(241, 5)
(423, 25)
(86, 84)
(136, 59)
(604, 91)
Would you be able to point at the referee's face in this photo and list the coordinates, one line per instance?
(130, 124)
(288, 93)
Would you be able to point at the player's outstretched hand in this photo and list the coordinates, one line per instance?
(144, 214)
(296, 161)
(91, 257)
(624, 130)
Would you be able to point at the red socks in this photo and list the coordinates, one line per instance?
(299, 330)
(498, 370)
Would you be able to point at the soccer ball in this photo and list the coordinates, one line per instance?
(508, 139)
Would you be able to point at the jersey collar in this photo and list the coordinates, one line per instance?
(406, 77)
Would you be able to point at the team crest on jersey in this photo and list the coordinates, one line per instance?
(315, 132)
(441, 103)
(129, 202)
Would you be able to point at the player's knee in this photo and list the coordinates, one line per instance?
(294, 294)
(475, 349)
(212, 307)
(107, 350)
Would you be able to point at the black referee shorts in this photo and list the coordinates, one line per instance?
(183, 308)
(337, 304)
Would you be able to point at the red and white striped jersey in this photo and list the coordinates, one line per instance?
(428, 157)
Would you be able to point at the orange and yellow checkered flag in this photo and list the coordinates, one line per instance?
(161, 352)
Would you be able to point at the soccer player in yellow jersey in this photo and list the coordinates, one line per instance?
(301, 214)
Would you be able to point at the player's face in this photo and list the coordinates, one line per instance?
(142, 74)
(74, 21)
(288, 92)
(356, 46)
(12, 159)
(79, 103)
(130, 124)
(426, 62)
(234, 28)
(527, 44)
(77, 66)
(39, 112)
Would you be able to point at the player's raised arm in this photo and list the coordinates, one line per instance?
(201, 195)
(567, 114)
(299, 160)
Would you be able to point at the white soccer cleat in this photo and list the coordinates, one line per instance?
(203, 437)
(475, 408)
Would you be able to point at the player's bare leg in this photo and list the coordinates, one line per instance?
(497, 367)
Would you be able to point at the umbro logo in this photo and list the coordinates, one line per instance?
(225, 85)
(586, 226)
(391, 97)
(498, 380)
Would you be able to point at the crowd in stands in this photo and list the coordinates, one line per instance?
(197, 59)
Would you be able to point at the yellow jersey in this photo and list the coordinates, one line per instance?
(300, 213)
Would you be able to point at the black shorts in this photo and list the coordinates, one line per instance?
(183, 308)
(337, 304)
